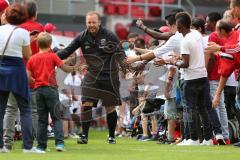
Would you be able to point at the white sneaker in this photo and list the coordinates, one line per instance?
(73, 135)
(181, 143)
(207, 143)
(190, 142)
(220, 139)
(4, 150)
(34, 150)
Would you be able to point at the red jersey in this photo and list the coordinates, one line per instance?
(213, 71)
(42, 68)
(232, 48)
(30, 26)
(228, 65)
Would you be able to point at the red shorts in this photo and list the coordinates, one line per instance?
(228, 63)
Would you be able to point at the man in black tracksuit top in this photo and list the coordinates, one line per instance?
(101, 50)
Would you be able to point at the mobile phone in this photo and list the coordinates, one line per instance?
(34, 32)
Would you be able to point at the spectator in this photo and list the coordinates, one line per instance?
(41, 67)
(11, 112)
(15, 47)
(195, 76)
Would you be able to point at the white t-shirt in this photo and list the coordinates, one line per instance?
(19, 38)
(55, 42)
(193, 45)
(174, 84)
(130, 52)
(74, 83)
(232, 81)
(172, 45)
(205, 41)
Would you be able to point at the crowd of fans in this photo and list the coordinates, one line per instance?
(181, 87)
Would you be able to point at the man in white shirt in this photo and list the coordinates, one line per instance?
(195, 76)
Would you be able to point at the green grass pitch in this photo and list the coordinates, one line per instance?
(125, 149)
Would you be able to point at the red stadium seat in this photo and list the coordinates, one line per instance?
(155, 11)
(110, 9)
(137, 12)
(139, 1)
(160, 1)
(121, 31)
(57, 32)
(103, 1)
(154, 1)
(122, 9)
(69, 34)
(170, 1)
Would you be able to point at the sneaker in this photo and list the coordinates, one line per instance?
(154, 137)
(207, 142)
(4, 150)
(82, 139)
(111, 140)
(34, 150)
(191, 142)
(73, 135)
(181, 143)
(8, 146)
(220, 140)
(237, 144)
(171, 142)
(8, 143)
(144, 138)
(60, 147)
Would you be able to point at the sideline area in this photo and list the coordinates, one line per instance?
(125, 149)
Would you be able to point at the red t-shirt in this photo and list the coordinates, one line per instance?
(30, 26)
(42, 68)
(213, 71)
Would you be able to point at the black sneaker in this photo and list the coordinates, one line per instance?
(82, 139)
(111, 140)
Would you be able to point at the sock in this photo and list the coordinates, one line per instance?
(85, 128)
(112, 122)
(86, 117)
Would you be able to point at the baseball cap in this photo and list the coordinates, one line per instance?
(49, 27)
(3, 4)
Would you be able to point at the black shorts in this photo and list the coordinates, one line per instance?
(105, 90)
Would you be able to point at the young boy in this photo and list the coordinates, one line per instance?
(41, 69)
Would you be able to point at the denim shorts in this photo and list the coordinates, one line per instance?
(170, 109)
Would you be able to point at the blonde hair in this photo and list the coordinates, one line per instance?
(94, 12)
(234, 3)
(44, 40)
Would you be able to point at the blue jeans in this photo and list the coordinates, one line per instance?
(47, 99)
(221, 110)
(238, 97)
(194, 94)
(25, 118)
(213, 116)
